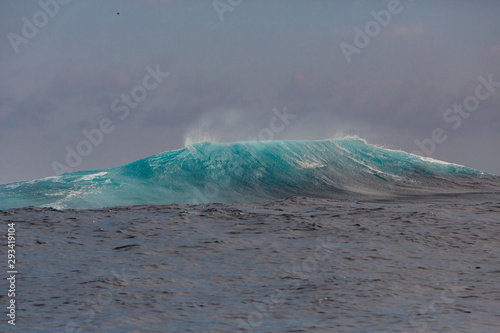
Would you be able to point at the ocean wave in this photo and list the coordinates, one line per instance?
(242, 172)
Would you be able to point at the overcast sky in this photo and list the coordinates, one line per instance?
(101, 67)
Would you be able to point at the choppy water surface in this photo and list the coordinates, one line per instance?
(295, 265)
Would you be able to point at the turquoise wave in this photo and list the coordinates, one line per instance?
(243, 172)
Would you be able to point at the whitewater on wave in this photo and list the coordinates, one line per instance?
(244, 172)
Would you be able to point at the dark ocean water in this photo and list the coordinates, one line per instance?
(427, 264)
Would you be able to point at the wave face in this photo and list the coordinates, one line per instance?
(243, 172)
